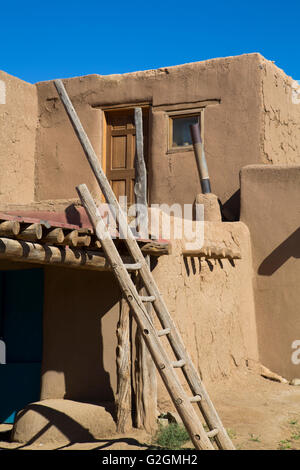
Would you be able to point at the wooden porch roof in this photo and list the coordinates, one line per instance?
(62, 239)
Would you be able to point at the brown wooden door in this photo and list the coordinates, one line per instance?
(120, 151)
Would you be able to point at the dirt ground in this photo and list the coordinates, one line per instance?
(258, 414)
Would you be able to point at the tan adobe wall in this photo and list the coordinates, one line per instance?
(270, 208)
(280, 142)
(249, 118)
(18, 123)
(228, 88)
(212, 304)
(81, 311)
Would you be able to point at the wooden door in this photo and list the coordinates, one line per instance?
(120, 151)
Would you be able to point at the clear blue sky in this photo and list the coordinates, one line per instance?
(42, 40)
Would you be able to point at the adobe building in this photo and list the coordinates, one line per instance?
(60, 304)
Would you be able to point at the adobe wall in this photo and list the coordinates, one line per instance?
(280, 142)
(210, 301)
(249, 118)
(270, 208)
(81, 312)
(212, 304)
(228, 89)
(18, 123)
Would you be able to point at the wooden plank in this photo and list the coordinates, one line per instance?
(169, 377)
(140, 187)
(120, 153)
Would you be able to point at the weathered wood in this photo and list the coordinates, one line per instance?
(18, 250)
(146, 383)
(197, 387)
(199, 253)
(213, 252)
(9, 228)
(95, 243)
(71, 238)
(156, 249)
(53, 236)
(140, 187)
(147, 298)
(30, 232)
(145, 324)
(84, 240)
(124, 398)
(132, 266)
(145, 376)
(145, 373)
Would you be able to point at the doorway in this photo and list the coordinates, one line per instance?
(120, 150)
(21, 314)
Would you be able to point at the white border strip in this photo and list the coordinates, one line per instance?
(2, 92)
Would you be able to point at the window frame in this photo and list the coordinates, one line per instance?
(186, 113)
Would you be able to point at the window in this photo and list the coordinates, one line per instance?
(179, 131)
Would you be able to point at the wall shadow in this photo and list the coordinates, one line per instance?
(71, 429)
(287, 249)
(76, 331)
(73, 216)
(231, 208)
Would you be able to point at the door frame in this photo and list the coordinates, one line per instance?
(124, 107)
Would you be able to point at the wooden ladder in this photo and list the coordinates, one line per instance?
(184, 404)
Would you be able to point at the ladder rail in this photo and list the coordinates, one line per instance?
(206, 406)
(179, 397)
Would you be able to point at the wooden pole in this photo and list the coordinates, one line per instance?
(156, 249)
(145, 371)
(213, 252)
(17, 250)
(124, 398)
(31, 232)
(9, 228)
(71, 238)
(140, 187)
(145, 379)
(53, 236)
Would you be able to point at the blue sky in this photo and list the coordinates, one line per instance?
(45, 40)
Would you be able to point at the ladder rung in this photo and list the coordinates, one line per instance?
(166, 331)
(133, 267)
(180, 363)
(149, 298)
(213, 433)
(195, 398)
